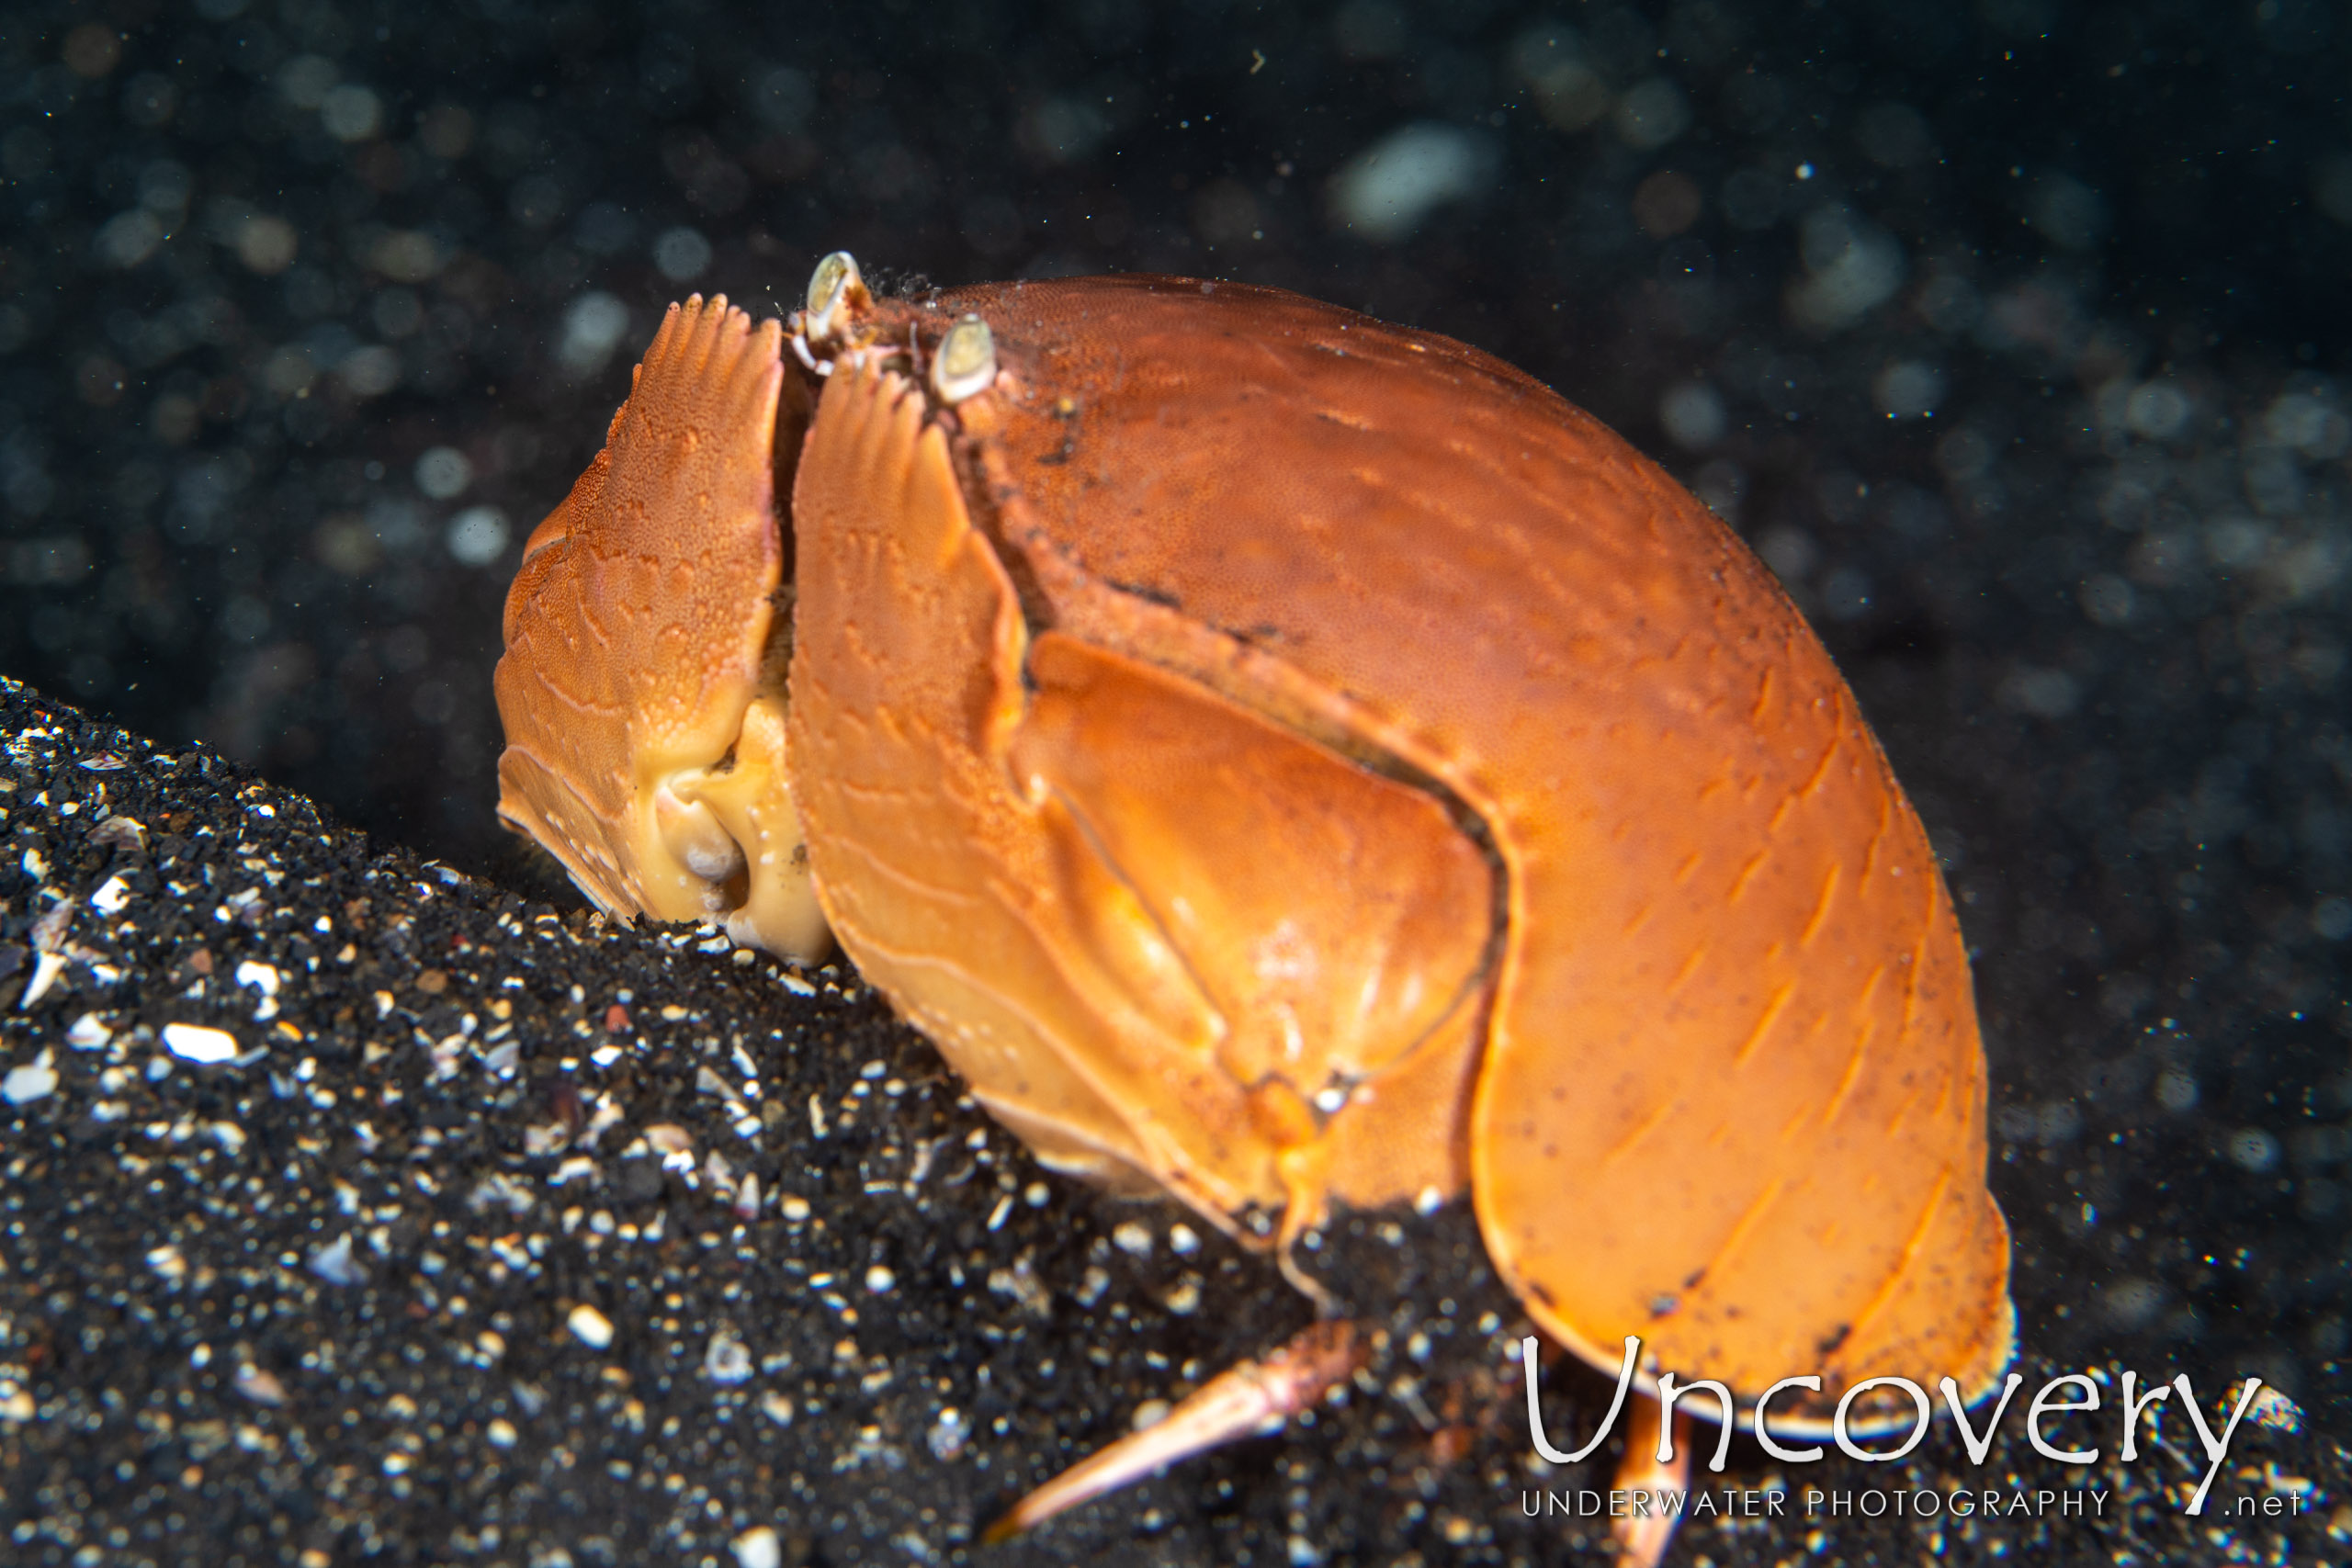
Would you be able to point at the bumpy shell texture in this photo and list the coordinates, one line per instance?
(1282, 757)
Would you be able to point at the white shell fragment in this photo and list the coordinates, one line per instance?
(260, 1385)
(591, 1327)
(966, 363)
(36, 1080)
(262, 977)
(111, 895)
(119, 832)
(728, 1360)
(2275, 1410)
(759, 1547)
(47, 967)
(194, 1043)
(335, 1265)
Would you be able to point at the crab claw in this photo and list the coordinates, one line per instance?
(642, 691)
(1249, 1399)
(1643, 1531)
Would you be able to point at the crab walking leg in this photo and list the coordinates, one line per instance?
(1645, 1529)
(1256, 1396)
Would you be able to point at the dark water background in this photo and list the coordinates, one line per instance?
(2011, 335)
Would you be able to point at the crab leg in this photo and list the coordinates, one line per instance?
(1643, 1531)
(1254, 1397)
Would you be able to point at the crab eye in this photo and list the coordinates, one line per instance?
(831, 286)
(966, 363)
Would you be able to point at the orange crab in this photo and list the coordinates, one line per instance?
(1282, 758)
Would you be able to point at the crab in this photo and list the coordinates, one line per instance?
(1282, 758)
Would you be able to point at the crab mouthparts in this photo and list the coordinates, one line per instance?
(733, 840)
